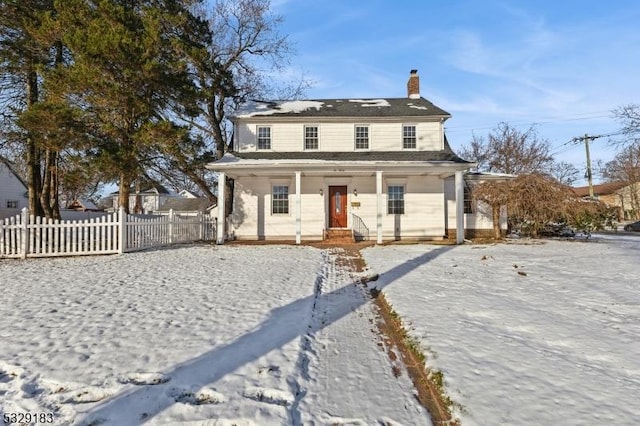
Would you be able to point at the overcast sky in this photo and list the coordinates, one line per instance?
(564, 64)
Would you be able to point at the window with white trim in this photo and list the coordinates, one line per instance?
(395, 199)
(468, 199)
(264, 137)
(12, 204)
(409, 137)
(310, 137)
(362, 137)
(280, 199)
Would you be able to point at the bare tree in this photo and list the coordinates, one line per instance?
(536, 200)
(566, 173)
(625, 167)
(509, 150)
(476, 151)
(496, 195)
(245, 48)
(629, 117)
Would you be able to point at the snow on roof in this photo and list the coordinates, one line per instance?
(371, 102)
(480, 175)
(254, 108)
(88, 204)
(410, 105)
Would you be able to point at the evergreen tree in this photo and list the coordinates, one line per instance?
(129, 71)
(22, 58)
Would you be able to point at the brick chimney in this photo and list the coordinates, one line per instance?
(413, 85)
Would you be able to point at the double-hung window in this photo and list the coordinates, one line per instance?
(264, 137)
(409, 137)
(362, 137)
(12, 204)
(280, 199)
(395, 199)
(468, 199)
(310, 137)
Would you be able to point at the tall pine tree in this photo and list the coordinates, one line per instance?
(129, 71)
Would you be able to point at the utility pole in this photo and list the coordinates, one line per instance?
(586, 138)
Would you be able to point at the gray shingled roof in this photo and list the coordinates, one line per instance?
(375, 107)
(185, 204)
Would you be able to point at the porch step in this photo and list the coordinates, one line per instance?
(338, 236)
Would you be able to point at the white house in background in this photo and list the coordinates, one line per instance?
(187, 206)
(150, 197)
(376, 167)
(13, 191)
(185, 193)
(83, 205)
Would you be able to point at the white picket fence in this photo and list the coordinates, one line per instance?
(28, 236)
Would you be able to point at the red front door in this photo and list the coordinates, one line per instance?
(337, 207)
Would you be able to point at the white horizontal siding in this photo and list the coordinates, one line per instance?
(11, 189)
(339, 137)
(252, 218)
(481, 219)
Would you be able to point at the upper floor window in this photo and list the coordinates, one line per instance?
(310, 137)
(395, 199)
(362, 137)
(280, 199)
(264, 137)
(409, 137)
(12, 204)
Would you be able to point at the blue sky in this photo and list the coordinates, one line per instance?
(564, 64)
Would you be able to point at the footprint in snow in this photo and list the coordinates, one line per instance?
(6, 377)
(142, 379)
(84, 395)
(9, 372)
(202, 396)
(270, 396)
(272, 370)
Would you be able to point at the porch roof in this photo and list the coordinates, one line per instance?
(340, 163)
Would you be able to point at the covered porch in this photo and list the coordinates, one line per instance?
(302, 201)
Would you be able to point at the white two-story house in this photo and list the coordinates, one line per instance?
(380, 167)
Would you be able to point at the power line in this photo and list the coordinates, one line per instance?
(533, 123)
(586, 139)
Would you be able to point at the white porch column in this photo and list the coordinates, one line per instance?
(221, 208)
(459, 182)
(298, 210)
(379, 208)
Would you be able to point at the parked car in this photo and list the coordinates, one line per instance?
(635, 226)
(557, 230)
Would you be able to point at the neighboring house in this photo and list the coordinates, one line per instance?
(380, 167)
(185, 193)
(478, 221)
(81, 205)
(13, 191)
(149, 198)
(621, 195)
(187, 206)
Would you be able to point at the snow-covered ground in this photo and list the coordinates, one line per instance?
(196, 335)
(526, 333)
